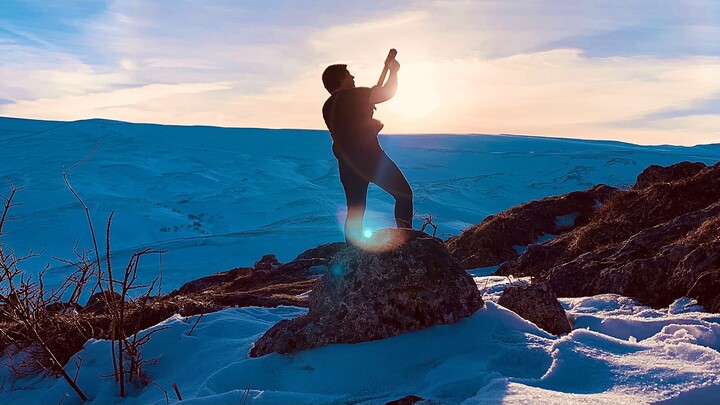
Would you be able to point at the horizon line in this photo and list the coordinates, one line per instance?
(556, 137)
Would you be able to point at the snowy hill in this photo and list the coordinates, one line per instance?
(216, 198)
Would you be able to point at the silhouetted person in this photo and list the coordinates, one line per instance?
(348, 114)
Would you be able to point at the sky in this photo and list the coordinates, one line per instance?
(646, 72)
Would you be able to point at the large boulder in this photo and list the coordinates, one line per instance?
(401, 281)
(537, 303)
(496, 238)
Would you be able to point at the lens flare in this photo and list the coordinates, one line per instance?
(383, 240)
(337, 270)
(367, 234)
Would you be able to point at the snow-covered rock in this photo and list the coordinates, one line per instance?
(537, 303)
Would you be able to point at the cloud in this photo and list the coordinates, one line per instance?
(495, 67)
(29, 73)
(143, 101)
(686, 130)
(562, 92)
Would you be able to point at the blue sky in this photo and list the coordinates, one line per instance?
(639, 71)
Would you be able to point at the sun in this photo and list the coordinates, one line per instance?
(416, 96)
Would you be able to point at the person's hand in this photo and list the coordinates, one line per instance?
(376, 125)
(393, 66)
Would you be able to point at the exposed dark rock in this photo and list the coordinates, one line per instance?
(267, 298)
(658, 265)
(314, 258)
(97, 303)
(208, 282)
(326, 251)
(657, 243)
(655, 174)
(537, 303)
(268, 278)
(408, 400)
(270, 284)
(142, 314)
(267, 262)
(405, 282)
(492, 241)
(63, 307)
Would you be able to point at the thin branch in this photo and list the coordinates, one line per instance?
(78, 364)
(65, 395)
(8, 204)
(167, 397)
(177, 391)
(87, 210)
(195, 324)
(56, 362)
(246, 394)
(428, 221)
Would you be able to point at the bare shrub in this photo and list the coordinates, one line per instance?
(26, 304)
(126, 346)
(428, 218)
(47, 326)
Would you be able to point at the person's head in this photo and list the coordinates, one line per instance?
(337, 77)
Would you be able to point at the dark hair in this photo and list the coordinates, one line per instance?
(333, 76)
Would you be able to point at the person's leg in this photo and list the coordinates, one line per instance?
(389, 177)
(355, 186)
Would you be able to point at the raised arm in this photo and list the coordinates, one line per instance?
(378, 94)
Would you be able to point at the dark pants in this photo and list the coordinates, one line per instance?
(356, 174)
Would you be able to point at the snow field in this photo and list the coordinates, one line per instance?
(218, 198)
(492, 356)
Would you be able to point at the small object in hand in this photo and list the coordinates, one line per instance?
(391, 56)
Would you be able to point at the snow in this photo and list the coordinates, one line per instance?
(490, 357)
(218, 198)
(566, 221)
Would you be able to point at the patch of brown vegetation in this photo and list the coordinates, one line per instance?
(65, 329)
(492, 242)
(658, 241)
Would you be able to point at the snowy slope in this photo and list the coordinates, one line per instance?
(216, 198)
(491, 357)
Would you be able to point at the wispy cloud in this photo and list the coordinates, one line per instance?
(147, 99)
(564, 93)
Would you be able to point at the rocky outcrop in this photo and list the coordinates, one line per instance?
(407, 400)
(657, 265)
(657, 242)
(655, 174)
(538, 304)
(268, 283)
(405, 280)
(494, 240)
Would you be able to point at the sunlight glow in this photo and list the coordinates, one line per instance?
(383, 240)
(368, 233)
(416, 96)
